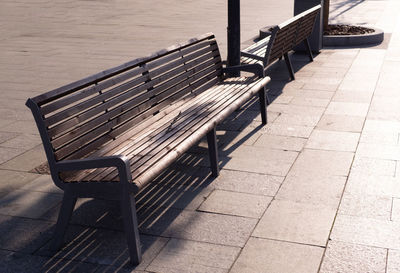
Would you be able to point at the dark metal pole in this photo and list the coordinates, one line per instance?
(234, 34)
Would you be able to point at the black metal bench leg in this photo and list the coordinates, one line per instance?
(289, 65)
(128, 207)
(67, 207)
(263, 107)
(213, 151)
(268, 99)
(309, 52)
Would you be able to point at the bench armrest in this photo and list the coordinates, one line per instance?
(256, 69)
(118, 161)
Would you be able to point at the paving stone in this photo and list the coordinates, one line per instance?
(19, 262)
(198, 226)
(185, 196)
(186, 171)
(7, 154)
(385, 104)
(381, 126)
(288, 130)
(341, 123)
(393, 261)
(281, 142)
(387, 80)
(43, 183)
(252, 183)
(296, 222)
(12, 180)
(315, 94)
(395, 213)
(381, 151)
(337, 63)
(331, 71)
(271, 116)
(347, 109)
(366, 231)
(4, 136)
(332, 140)
(368, 206)
(262, 255)
(104, 247)
(231, 140)
(384, 115)
(283, 99)
(284, 85)
(359, 82)
(310, 102)
(24, 141)
(301, 120)
(297, 109)
(319, 162)
(26, 161)
(375, 185)
(355, 96)
(28, 204)
(245, 114)
(320, 86)
(25, 127)
(90, 212)
(235, 203)
(373, 166)
(23, 234)
(385, 91)
(4, 123)
(231, 125)
(260, 160)
(345, 257)
(313, 189)
(190, 256)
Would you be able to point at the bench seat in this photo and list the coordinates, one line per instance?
(166, 136)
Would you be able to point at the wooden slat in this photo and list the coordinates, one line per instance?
(66, 151)
(196, 65)
(132, 146)
(199, 121)
(58, 104)
(162, 124)
(124, 87)
(156, 149)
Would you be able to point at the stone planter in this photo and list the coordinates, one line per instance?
(375, 37)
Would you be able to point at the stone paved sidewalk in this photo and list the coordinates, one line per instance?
(316, 190)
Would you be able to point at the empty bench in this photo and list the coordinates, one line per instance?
(281, 39)
(110, 134)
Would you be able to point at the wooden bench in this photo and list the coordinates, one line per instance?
(281, 39)
(110, 134)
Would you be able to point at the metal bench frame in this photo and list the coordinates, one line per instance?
(281, 39)
(73, 153)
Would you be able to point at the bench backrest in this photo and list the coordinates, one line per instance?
(307, 23)
(76, 119)
(290, 33)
